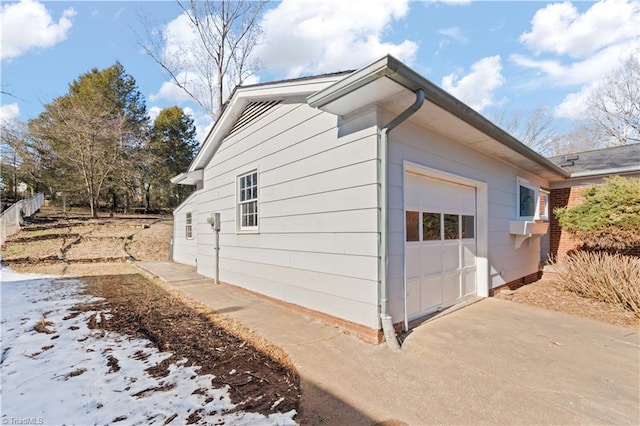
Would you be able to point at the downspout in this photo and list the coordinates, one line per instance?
(383, 149)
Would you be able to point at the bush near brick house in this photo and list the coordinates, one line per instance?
(609, 218)
(608, 221)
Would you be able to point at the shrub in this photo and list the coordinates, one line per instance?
(611, 278)
(609, 218)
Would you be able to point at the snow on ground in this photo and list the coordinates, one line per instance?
(65, 376)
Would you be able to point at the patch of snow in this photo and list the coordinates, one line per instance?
(76, 375)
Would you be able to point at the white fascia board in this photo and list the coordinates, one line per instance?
(188, 178)
(243, 96)
(608, 172)
(392, 68)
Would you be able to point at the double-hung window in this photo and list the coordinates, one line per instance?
(248, 201)
(188, 227)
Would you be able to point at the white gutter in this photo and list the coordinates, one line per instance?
(383, 264)
(606, 172)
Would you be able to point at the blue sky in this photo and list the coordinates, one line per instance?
(512, 56)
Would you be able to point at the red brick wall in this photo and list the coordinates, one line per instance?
(515, 284)
(562, 242)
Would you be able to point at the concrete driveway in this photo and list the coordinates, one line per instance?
(493, 362)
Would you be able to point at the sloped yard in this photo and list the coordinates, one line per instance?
(113, 347)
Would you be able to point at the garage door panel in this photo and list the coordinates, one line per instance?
(431, 260)
(468, 282)
(467, 200)
(414, 261)
(414, 299)
(431, 297)
(430, 194)
(468, 254)
(450, 288)
(450, 257)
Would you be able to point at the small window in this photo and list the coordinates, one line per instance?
(468, 226)
(528, 200)
(248, 201)
(413, 226)
(430, 226)
(188, 228)
(451, 226)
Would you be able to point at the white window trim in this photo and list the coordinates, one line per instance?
(247, 229)
(536, 191)
(188, 227)
(545, 214)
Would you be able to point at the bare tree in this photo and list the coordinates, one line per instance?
(536, 130)
(218, 57)
(614, 107)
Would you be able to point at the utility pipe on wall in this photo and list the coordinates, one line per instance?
(383, 149)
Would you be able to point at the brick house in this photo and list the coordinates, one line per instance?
(586, 168)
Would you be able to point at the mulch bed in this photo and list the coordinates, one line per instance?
(547, 293)
(140, 308)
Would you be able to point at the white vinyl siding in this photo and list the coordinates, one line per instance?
(417, 144)
(185, 250)
(317, 203)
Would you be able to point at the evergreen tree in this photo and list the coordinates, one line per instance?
(173, 145)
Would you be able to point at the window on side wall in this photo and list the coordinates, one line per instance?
(528, 199)
(188, 228)
(248, 201)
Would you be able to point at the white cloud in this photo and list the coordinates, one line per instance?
(202, 121)
(574, 105)
(154, 112)
(170, 92)
(558, 28)
(9, 113)
(477, 87)
(28, 25)
(580, 72)
(580, 49)
(304, 37)
(455, 33)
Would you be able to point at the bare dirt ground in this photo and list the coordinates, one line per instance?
(101, 251)
(547, 293)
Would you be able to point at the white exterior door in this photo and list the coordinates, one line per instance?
(440, 244)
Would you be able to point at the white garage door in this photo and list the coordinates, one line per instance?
(440, 244)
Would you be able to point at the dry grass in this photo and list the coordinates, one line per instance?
(547, 293)
(611, 278)
(42, 326)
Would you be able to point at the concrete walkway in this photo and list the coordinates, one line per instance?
(493, 362)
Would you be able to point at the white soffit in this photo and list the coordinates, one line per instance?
(371, 93)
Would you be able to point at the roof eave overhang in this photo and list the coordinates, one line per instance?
(400, 73)
(607, 172)
(193, 177)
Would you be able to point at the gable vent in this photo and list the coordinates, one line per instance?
(251, 112)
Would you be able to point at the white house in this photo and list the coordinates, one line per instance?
(371, 198)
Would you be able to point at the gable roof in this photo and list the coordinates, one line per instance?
(386, 81)
(251, 100)
(605, 161)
